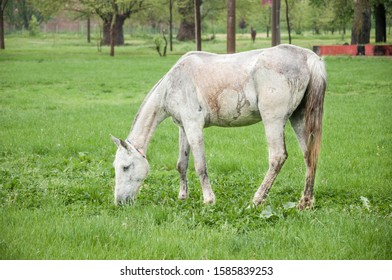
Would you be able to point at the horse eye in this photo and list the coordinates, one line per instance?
(125, 168)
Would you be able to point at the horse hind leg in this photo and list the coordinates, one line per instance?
(298, 123)
(182, 164)
(277, 155)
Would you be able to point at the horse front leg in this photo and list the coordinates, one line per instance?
(182, 164)
(195, 138)
(277, 157)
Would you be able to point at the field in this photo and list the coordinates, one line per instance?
(60, 100)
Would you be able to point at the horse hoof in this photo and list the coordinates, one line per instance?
(209, 200)
(183, 196)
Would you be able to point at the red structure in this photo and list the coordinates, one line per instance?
(353, 50)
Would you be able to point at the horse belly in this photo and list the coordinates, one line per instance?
(232, 108)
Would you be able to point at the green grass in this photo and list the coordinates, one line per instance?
(59, 102)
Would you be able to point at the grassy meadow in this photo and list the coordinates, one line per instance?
(60, 99)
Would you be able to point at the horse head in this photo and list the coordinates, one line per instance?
(131, 168)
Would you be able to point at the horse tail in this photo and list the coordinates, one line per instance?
(314, 109)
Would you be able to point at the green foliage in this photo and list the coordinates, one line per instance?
(33, 26)
(186, 8)
(161, 44)
(59, 104)
(46, 8)
(316, 15)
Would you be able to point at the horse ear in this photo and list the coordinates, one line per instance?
(120, 142)
(124, 144)
(116, 140)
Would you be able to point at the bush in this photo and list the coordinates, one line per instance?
(34, 26)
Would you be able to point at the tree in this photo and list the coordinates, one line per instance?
(275, 22)
(214, 12)
(360, 33)
(298, 15)
(187, 25)
(266, 13)
(380, 21)
(83, 12)
(321, 15)
(47, 8)
(197, 5)
(231, 26)
(113, 14)
(211, 10)
(171, 24)
(3, 4)
(19, 13)
(342, 13)
(288, 20)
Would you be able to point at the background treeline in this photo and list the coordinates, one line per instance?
(138, 17)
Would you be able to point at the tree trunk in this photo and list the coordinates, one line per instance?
(112, 34)
(88, 29)
(288, 21)
(2, 42)
(117, 30)
(186, 31)
(171, 25)
(197, 25)
(275, 22)
(381, 23)
(362, 22)
(186, 9)
(2, 8)
(230, 26)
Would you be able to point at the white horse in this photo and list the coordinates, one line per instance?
(204, 89)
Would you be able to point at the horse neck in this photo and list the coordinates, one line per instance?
(147, 119)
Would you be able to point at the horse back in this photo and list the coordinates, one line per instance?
(229, 89)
